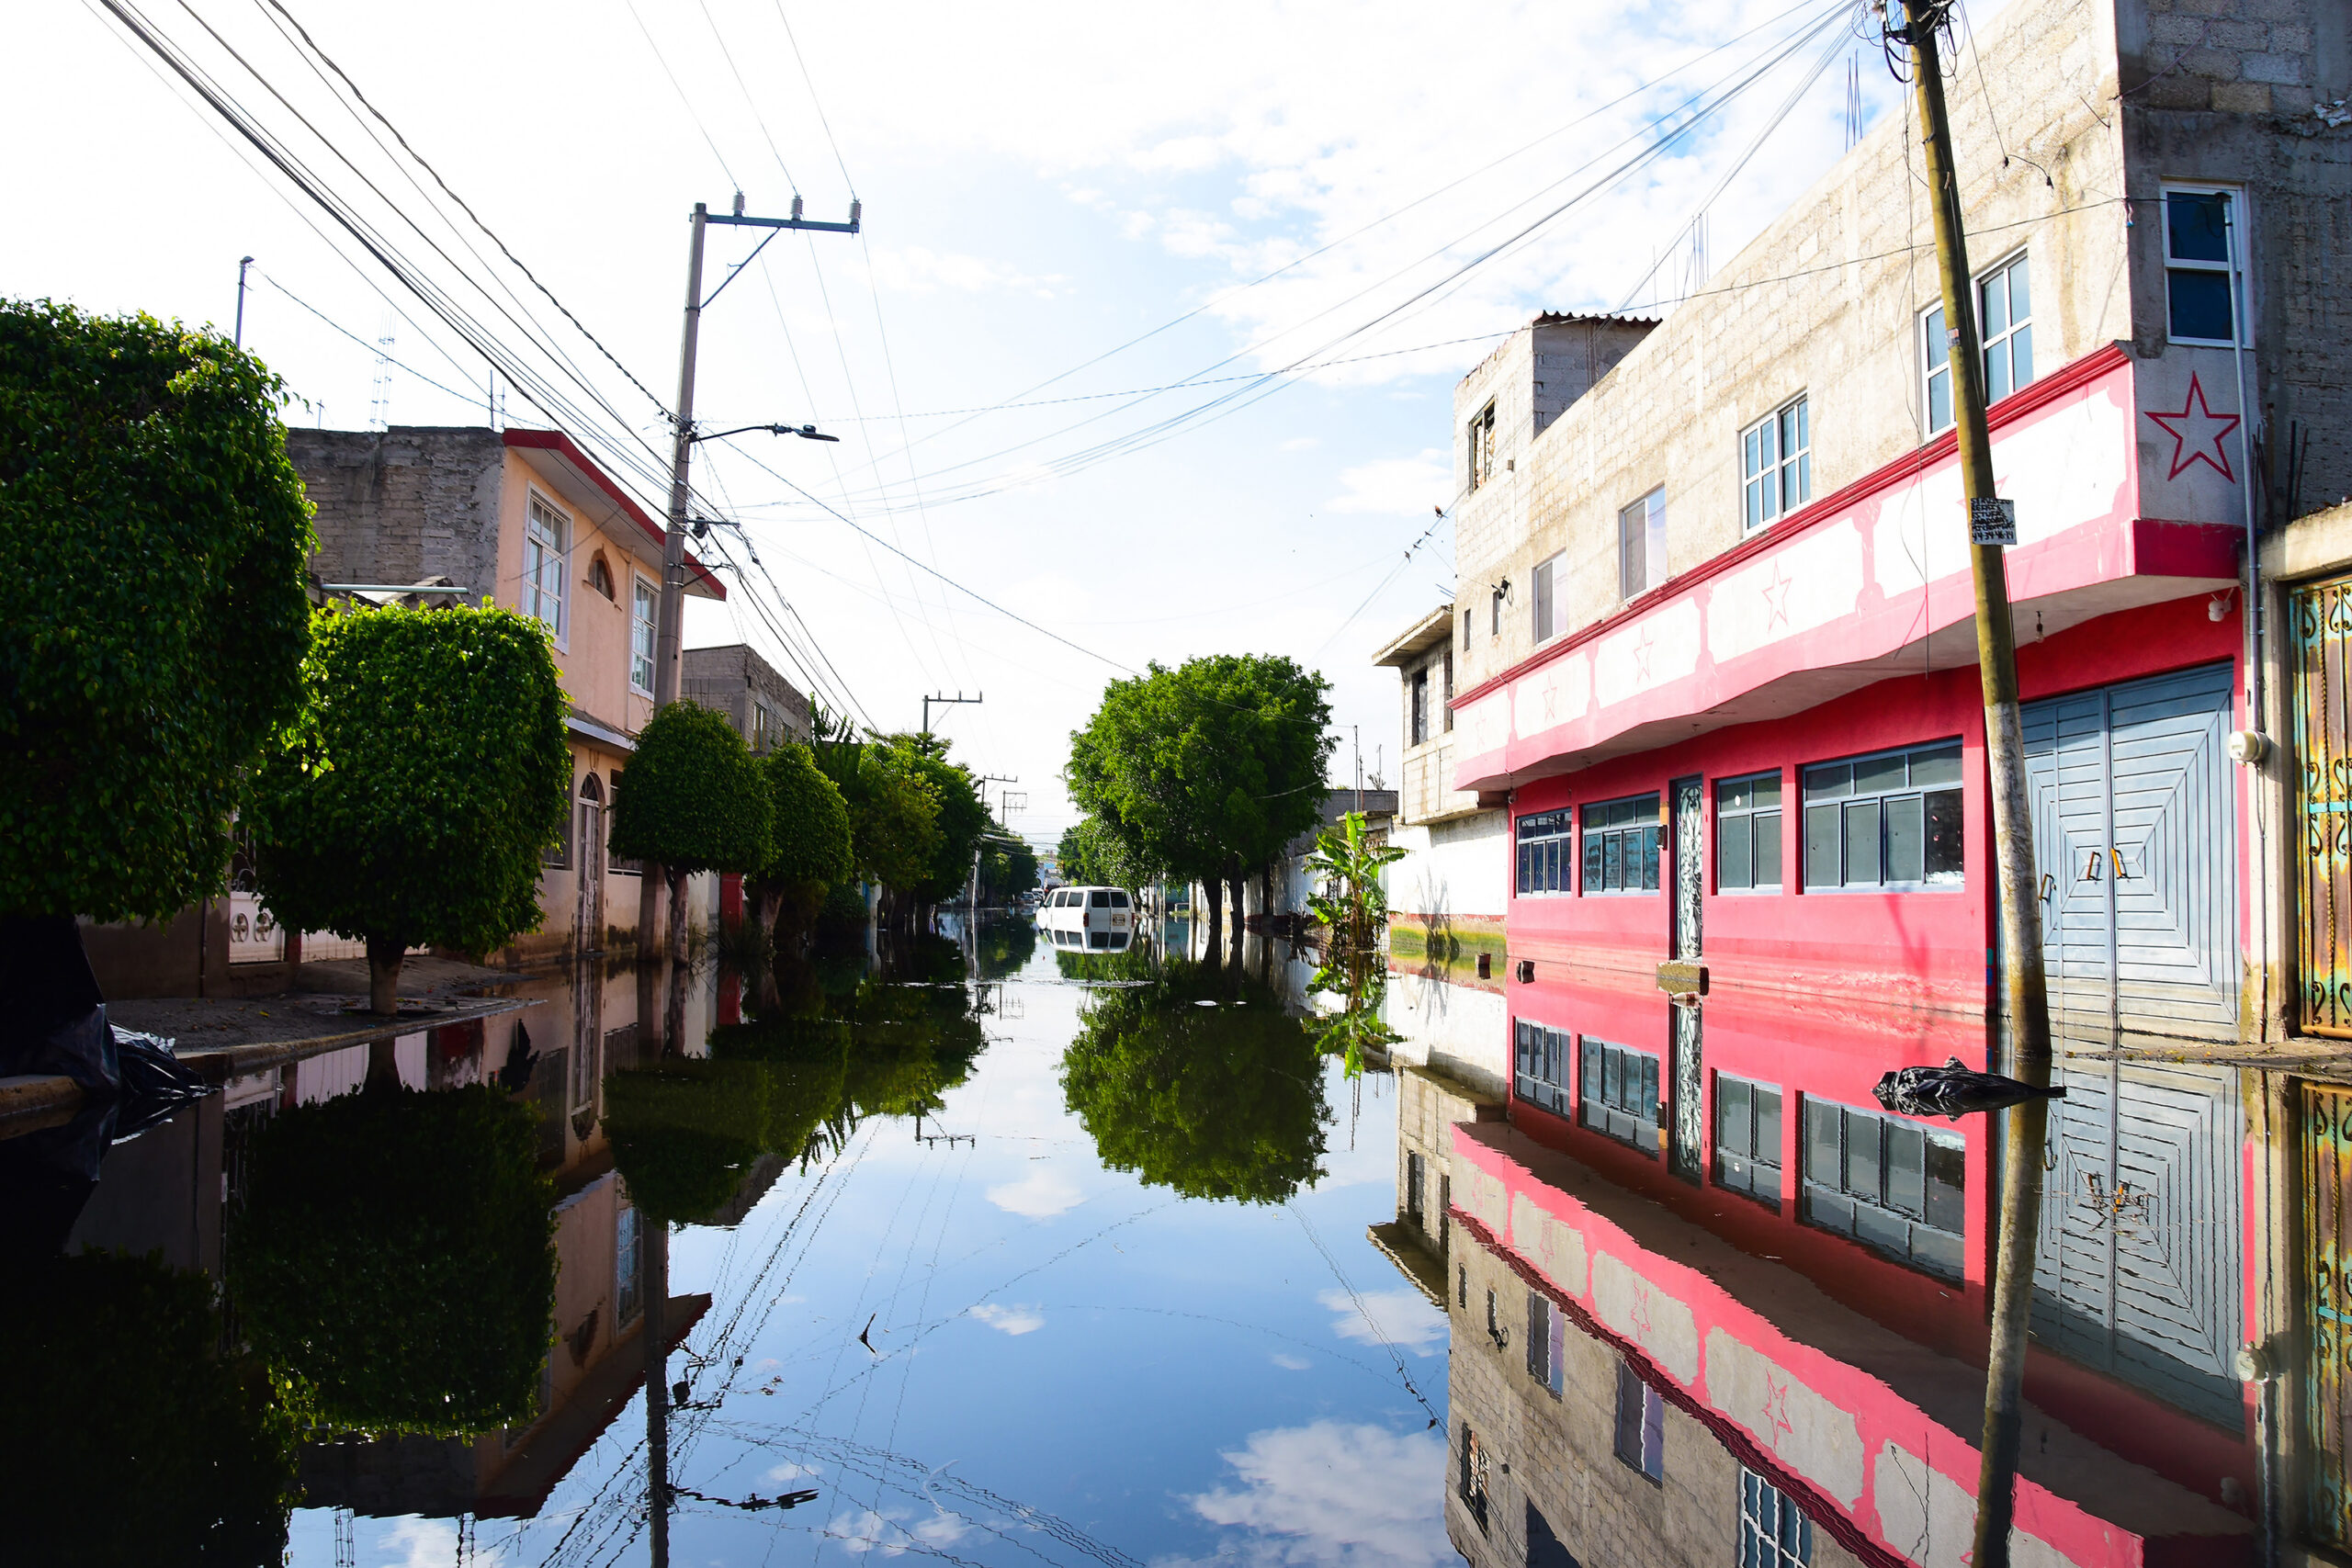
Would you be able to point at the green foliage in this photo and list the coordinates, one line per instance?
(810, 842)
(132, 1437)
(411, 800)
(893, 812)
(960, 820)
(692, 798)
(395, 1258)
(1008, 868)
(1217, 762)
(1214, 1102)
(1003, 947)
(1090, 852)
(1351, 899)
(154, 537)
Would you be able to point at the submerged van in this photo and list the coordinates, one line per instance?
(1099, 918)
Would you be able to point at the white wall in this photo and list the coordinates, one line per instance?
(1462, 1031)
(1458, 867)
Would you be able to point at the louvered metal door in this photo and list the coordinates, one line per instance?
(2135, 846)
(2140, 1271)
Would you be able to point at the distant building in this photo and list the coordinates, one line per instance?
(735, 680)
(1448, 896)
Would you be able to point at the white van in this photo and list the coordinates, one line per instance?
(1099, 918)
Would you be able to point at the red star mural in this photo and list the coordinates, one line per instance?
(2197, 432)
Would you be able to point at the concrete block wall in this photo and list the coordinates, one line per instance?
(404, 504)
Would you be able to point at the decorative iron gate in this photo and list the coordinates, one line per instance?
(1686, 1147)
(2323, 721)
(2327, 1294)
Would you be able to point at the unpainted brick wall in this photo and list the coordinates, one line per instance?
(404, 504)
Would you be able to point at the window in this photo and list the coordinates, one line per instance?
(1482, 446)
(1099, 899)
(1540, 1065)
(1621, 845)
(1462, 1284)
(1935, 358)
(1640, 544)
(626, 1266)
(1619, 1089)
(1098, 938)
(1416, 1178)
(612, 861)
(600, 577)
(1773, 1532)
(1748, 1138)
(1891, 821)
(1547, 617)
(2199, 228)
(1641, 1424)
(558, 854)
(1495, 614)
(1468, 616)
(1776, 465)
(1472, 1483)
(1118, 899)
(1891, 1184)
(1747, 834)
(1546, 1333)
(2005, 305)
(643, 607)
(1418, 720)
(1495, 1329)
(1449, 691)
(546, 538)
(1546, 859)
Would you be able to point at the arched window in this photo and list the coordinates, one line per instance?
(590, 788)
(600, 577)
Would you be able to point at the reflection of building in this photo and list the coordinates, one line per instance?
(521, 518)
(1448, 895)
(1627, 1386)
(1428, 1106)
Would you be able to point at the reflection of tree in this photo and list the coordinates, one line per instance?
(1214, 1102)
(395, 1257)
(132, 1438)
(1005, 946)
(792, 1081)
(1134, 963)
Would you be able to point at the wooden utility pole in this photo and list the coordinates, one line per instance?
(2020, 909)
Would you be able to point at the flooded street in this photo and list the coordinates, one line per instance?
(1074, 1269)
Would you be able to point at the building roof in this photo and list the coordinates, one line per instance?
(1425, 634)
(594, 490)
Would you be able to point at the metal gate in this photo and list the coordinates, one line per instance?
(2323, 721)
(1686, 1142)
(2139, 1272)
(2135, 844)
(2327, 1295)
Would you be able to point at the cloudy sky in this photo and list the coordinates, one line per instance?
(1068, 207)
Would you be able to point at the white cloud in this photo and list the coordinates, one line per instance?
(1013, 1320)
(1331, 1496)
(1302, 443)
(790, 1472)
(1397, 487)
(1401, 1317)
(918, 269)
(1289, 1362)
(1040, 1195)
(862, 1530)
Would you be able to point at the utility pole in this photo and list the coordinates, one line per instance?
(243, 263)
(1993, 525)
(972, 902)
(929, 701)
(670, 623)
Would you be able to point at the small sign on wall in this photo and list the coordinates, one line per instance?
(1992, 520)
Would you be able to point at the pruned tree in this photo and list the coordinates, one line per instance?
(413, 800)
(153, 608)
(893, 810)
(692, 798)
(810, 848)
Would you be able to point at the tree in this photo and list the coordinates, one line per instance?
(1092, 852)
(1008, 866)
(893, 811)
(692, 798)
(134, 1436)
(961, 819)
(153, 610)
(809, 847)
(395, 1257)
(413, 800)
(1214, 1102)
(1208, 769)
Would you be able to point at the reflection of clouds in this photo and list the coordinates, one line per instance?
(1040, 1195)
(1329, 1496)
(429, 1544)
(862, 1530)
(1403, 1318)
(1012, 1320)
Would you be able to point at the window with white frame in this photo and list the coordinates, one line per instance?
(1621, 845)
(1776, 464)
(642, 604)
(1748, 833)
(1889, 821)
(1617, 1092)
(1935, 361)
(1640, 1439)
(2005, 309)
(1546, 1342)
(1540, 1058)
(1546, 597)
(1546, 851)
(1773, 1532)
(1891, 1183)
(1640, 544)
(1748, 1138)
(1482, 446)
(546, 542)
(1418, 721)
(2201, 228)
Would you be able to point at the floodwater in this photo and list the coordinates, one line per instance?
(988, 1252)
(998, 1252)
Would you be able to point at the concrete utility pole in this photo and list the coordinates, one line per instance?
(929, 701)
(243, 263)
(670, 623)
(1993, 525)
